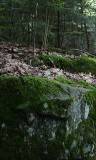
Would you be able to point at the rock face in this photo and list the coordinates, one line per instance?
(45, 119)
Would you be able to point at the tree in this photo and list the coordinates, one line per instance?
(52, 23)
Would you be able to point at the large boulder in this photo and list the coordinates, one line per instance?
(39, 119)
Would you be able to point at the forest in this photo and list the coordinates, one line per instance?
(47, 80)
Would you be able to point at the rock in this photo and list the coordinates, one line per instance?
(15, 50)
(47, 73)
(20, 53)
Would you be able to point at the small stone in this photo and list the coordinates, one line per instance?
(15, 50)
(20, 53)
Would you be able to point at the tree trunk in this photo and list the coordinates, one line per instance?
(87, 36)
(46, 31)
(58, 29)
(85, 26)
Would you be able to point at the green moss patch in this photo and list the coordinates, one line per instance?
(36, 95)
(31, 93)
(84, 64)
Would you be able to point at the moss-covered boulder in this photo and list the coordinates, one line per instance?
(38, 95)
(40, 118)
(85, 63)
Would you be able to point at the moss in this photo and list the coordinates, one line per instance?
(78, 83)
(31, 93)
(82, 64)
(85, 64)
(90, 96)
(59, 61)
(36, 94)
(21, 94)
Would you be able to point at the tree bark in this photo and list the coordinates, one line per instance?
(58, 29)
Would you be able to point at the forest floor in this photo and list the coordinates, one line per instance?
(16, 60)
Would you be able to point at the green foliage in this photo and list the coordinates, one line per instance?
(82, 64)
(80, 83)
